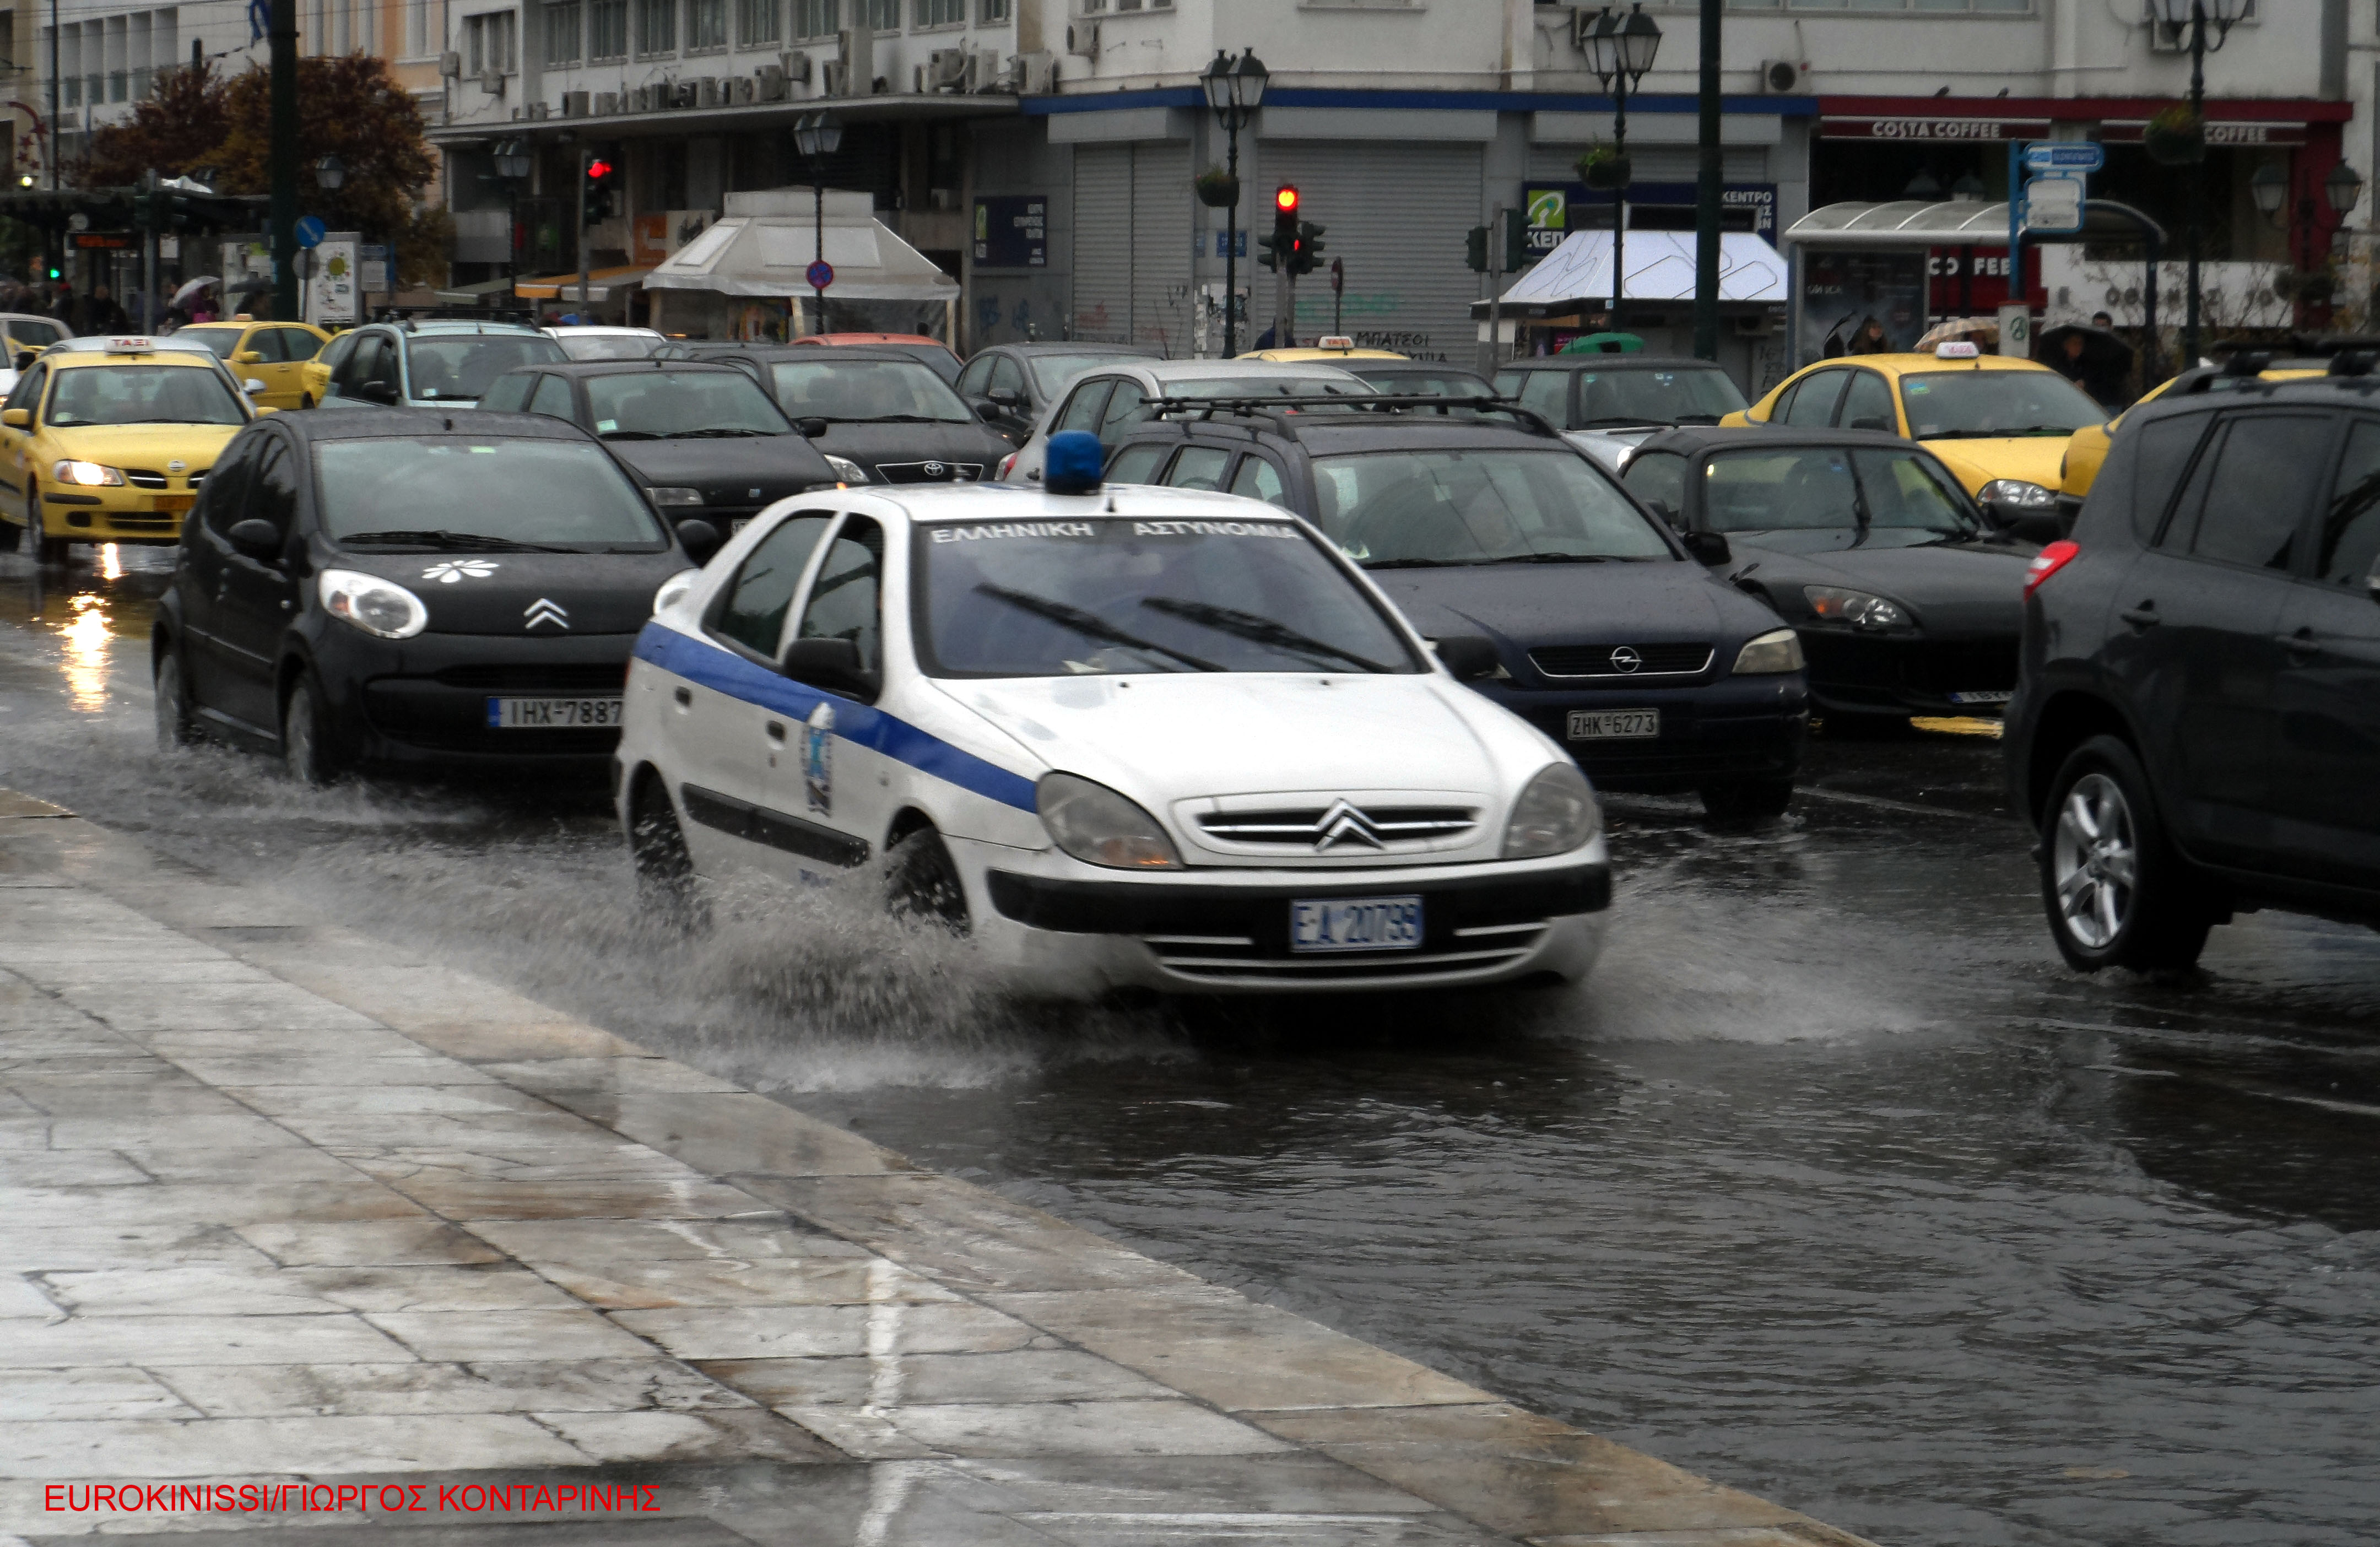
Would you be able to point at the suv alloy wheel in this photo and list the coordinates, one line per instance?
(2115, 893)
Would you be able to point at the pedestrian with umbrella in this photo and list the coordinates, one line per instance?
(2093, 359)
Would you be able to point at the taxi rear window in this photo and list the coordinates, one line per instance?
(1134, 595)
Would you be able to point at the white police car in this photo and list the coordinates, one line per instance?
(1122, 736)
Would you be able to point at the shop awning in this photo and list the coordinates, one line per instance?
(473, 295)
(1917, 223)
(602, 284)
(1660, 268)
(766, 242)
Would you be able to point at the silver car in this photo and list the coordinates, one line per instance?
(1111, 397)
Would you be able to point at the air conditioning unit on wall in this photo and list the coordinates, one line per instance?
(574, 104)
(1034, 74)
(833, 80)
(1784, 78)
(1083, 38)
(946, 69)
(607, 102)
(493, 82)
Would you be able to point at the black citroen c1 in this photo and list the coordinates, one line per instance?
(412, 588)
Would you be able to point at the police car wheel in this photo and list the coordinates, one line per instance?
(666, 886)
(921, 883)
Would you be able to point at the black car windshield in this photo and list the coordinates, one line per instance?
(1872, 497)
(1043, 598)
(1686, 395)
(608, 345)
(459, 368)
(862, 390)
(142, 395)
(649, 405)
(1970, 405)
(1418, 508)
(472, 494)
(1052, 371)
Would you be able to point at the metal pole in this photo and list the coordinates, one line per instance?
(1495, 290)
(53, 137)
(585, 158)
(1618, 201)
(818, 201)
(1231, 242)
(2197, 181)
(1709, 171)
(282, 33)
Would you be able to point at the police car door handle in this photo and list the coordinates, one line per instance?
(776, 730)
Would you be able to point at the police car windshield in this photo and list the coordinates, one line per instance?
(460, 368)
(141, 395)
(682, 406)
(1415, 510)
(1124, 596)
(863, 390)
(475, 493)
(1867, 498)
(1980, 405)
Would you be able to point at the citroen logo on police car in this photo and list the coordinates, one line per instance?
(543, 610)
(1625, 659)
(1343, 823)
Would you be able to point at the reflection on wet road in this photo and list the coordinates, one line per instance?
(1832, 1183)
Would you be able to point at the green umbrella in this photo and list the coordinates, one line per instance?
(1605, 344)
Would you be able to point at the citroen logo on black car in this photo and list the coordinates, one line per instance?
(1342, 823)
(1625, 659)
(545, 611)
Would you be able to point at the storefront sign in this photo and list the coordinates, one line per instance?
(1557, 209)
(1963, 282)
(2218, 132)
(87, 241)
(1933, 129)
(1012, 231)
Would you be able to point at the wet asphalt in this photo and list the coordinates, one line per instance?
(1832, 1183)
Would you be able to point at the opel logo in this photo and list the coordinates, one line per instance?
(1342, 823)
(544, 610)
(936, 470)
(1625, 659)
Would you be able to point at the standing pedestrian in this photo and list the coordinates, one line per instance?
(101, 312)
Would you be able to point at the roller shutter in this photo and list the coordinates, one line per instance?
(1398, 216)
(1131, 244)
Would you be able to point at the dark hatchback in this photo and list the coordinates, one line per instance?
(1620, 392)
(1012, 385)
(2198, 729)
(1539, 580)
(1906, 601)
(411, 588)
(890, 416)
(703, 439)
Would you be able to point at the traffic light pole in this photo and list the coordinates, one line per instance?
(1709, 171)
(1495, 288)
(585, 160)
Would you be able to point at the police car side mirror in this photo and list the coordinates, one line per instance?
(700, 538)
(257, 539)
(830, 664)
(1708, 547)
(1468, 656)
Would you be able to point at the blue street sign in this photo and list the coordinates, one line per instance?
(2065, 155)
(820, 274)
(309, 230)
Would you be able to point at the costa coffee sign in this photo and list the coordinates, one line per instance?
(2217, 132)
(1934, 128)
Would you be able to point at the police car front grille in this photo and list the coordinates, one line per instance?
(918, 472)
(1224, 960)
(1306, 828)
(1596, 659)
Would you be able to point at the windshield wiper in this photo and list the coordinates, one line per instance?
(627, 435)
(1087, 624)
(2016, 432)
(1698, 418)
(1422, 563)
(1625, 420)
(1545, 558)
(471, 541)
(713, 434)
(901, 419)
(1260, 630)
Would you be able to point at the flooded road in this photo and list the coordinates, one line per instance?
(1831, 1183)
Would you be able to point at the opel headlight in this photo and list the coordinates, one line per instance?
(675, 496)
(1780, 650)
(91, 475)
(673, 590)
(2017, 492)
(846, 469)
(1555, 815)
(372, 604)
(1100, 827)
(1858, 608)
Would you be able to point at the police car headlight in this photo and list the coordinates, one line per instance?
(675, 496)
(91, 475)
(1555, 815)
(846, 470)
(673, 590)
(1100, 827)
(372, 604)
(1780, 650)
(2016, 493)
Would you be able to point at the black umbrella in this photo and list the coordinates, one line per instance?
(2103, 366)
(254, 284)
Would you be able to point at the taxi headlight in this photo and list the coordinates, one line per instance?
(1858, 608)
(91, 475)
(846, 469)
(2016, 493)
(372, 604)
(1555, 815)
(1100, 827)
(675, 496)
(1780, 650)
(673, 590)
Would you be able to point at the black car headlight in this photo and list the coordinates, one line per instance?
(1780, 650)
(1859, 608)
(2016, 493)
(371, 603)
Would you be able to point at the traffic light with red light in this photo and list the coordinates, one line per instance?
(602, 180)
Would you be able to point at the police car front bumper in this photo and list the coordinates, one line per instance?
(1054, 925)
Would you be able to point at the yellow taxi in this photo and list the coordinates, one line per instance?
(2000, 423)
(274, 353)
(107, 445)
(1330, 346)
(2079, 468)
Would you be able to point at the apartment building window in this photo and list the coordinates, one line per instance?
(488, 43)
(817, 19)
(939, 13)
(884, 16)
(656, 27)
(8, 41)
(991, 13)
(705, 26)
(561, 31)
(417, 29)
(607, 28)
(757, 23)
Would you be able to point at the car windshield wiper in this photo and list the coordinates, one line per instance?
(1422, 563)
(170, 419)
(715, 434)
(1087, 624)
(472, 540)
(1625, 421)
(1261, 630)
(1546, 558)
(627, 435)
(1698, 418)
(2016, 432)
(901, 419)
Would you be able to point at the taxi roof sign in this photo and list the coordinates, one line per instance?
(1958, 348)
(1334, 341)
(131, 345)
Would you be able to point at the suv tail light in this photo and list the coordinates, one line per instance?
(2048, 562)
(1005, 463)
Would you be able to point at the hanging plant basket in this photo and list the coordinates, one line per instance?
(1605, 169)
(1218, 190)
(2175, 137)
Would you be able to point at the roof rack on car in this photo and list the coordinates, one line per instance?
(406, 316)
(2356, 362)
(1279, 407)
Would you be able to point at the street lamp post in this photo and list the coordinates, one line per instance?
(2270, 185)
(817, 137)
(329, 176)
(2192, 17)
(513, 166)
(1620, 51)
(1235, 88)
